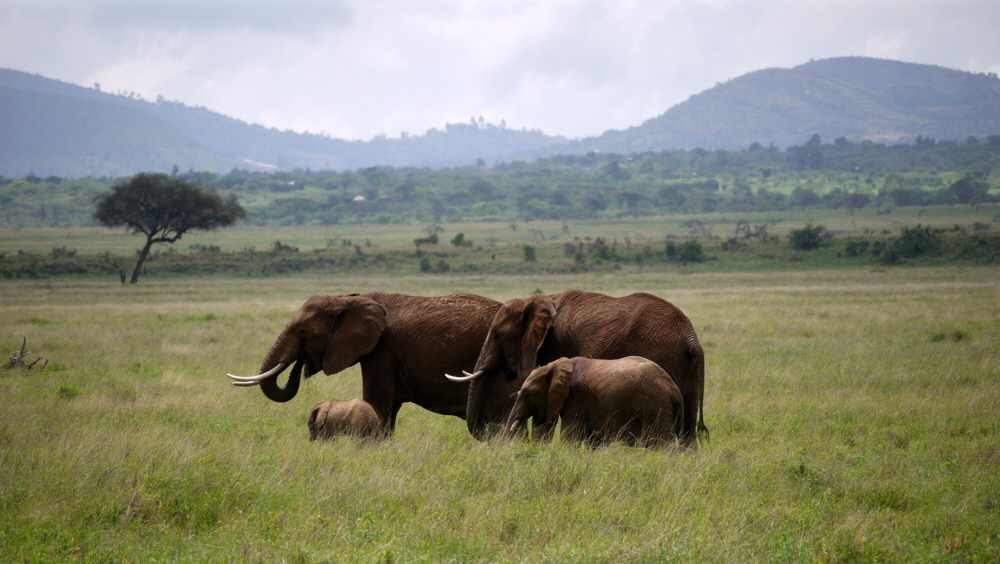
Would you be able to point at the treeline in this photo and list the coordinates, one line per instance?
(839, 175)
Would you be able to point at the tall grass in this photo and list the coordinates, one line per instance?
(855, 417)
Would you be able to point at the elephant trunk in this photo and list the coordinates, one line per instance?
(275, 392)
(474, 410)
(284, 350)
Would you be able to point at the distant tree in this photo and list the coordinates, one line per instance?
(616, 172)
(163, 208)
(967, 190)
(460, 241)
(804, 197)
(529, 254)
(810, 156)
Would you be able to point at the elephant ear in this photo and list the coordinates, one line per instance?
(356, 331)
(560, 373)
(538, 317)
(317, 417)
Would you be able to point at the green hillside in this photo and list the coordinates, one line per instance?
(853, 97)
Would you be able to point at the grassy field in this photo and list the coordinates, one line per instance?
(855, 417)
(639, 230)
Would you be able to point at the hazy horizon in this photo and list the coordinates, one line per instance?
(354, 70)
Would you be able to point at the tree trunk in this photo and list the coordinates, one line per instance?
(142, 259)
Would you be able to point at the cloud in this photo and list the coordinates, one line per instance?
(354, 69)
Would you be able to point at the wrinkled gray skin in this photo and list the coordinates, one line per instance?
(354, 418)
(405, 345)
(532, 331)
(628, 399)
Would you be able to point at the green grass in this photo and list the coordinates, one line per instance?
(961, 236)
(641, 230)
(855, 417)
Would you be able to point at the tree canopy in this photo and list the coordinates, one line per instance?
(163, 208)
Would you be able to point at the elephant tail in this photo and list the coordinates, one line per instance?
(702, 431)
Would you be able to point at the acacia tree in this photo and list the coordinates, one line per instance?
(163, 209)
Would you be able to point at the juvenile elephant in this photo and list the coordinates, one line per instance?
(537, 330)
(354, 418)
(630, 399)
(405, 345)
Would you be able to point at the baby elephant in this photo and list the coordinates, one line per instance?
(355, 418)
(629, 399)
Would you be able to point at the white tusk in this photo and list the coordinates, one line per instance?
(247, 384)
(465, 378)
(254, 379)
(514, 426)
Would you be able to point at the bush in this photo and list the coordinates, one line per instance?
(808, 238)
(916, 242)
(856, 248)
(529, 254)
(691, 251)
(431, 240)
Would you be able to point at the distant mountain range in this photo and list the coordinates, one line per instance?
(54, 128)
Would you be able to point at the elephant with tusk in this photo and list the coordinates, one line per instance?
(404, 344)
(537, 330)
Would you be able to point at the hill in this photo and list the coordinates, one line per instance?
(54, 128)
(857, 98)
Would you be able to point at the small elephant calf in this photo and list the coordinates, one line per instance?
(355, 418)
(631, 399)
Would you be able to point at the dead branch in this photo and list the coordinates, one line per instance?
(17, 360)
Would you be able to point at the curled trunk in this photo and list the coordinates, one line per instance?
(275, 392)
(282, 351)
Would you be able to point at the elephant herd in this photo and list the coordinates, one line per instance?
(628, 368)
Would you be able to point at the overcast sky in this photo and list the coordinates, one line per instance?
(356, 69)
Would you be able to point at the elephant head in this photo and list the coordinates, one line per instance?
(542, 395)
(511, 346)
(328, 333)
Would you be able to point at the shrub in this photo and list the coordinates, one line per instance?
(431, 240)
(856, 248)
(808, 238)
(529, 254)
(916, 242)
(671, 250)
(691, 251)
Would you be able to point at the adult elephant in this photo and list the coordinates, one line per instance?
(405, 345)
(538, 330)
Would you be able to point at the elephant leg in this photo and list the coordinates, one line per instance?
(689, 425)
(392, 417)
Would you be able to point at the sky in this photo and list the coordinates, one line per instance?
(358, 69)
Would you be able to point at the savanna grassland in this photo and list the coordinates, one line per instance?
(854, 416)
